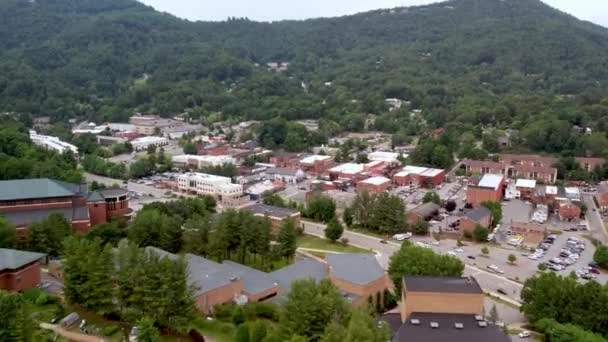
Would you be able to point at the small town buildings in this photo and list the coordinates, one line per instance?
(107, 204)
(480, 216)
(213, 149)
(489, 188)
(153, 124)
(217, 186)
(389, 157)
(277, 215)
(302, 269)
(19, 270)
(347, 171)
(52, 143)
(178, 131)
(568, 211)
(423, 212)
(90, 128)
(532, 233)
(190, 161)
(285, 159)
(601, 197)
(419, 176)
(107, 140)
(358, 275)
(526, 188)
(141, 144)
(287, 175)
(374, 184)
(316, 164)
(258, 190)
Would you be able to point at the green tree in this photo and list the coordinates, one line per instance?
(242, 334)
(348, 216)
(147, 331)
(196, 235)
(310, 307)
(512, 258)
(485, 251)
(153, 228)
(17, 324)
(47, 236)
(431, 196)
(259, 330)
(421, 228)
(190, 148)
(273, 199)
(287, 239)
(600, 256)
(334, 332)
(110, 232)
(556, 332)
(334, 230)
(362, 328)
(387, 214)
(363, 208)
(412, 260)
(493, 315)
(480, 234)
(7, 234)
(321, 208)
(496, 210)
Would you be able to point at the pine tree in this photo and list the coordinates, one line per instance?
(242, 334)
(147, 331)
(334, 230)
(287, 239)
(16, 324)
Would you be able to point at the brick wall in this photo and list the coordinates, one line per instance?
(25, 278)
(454, 303)
(363, 291)
(476, 195)
(206, 301)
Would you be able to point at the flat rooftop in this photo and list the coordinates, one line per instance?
(442, 284)
(348, 168)
(491, 181)
(376, 180)
(418, 328)
(526, 183)
(270, 210)
(12, 259)
(358, 268)
(314, 158)
(21, 189)
(418, 170)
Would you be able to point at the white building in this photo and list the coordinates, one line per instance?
(142, 143)
(204, 184)
(199, 162)
(121, 127)
(52, 143)
(90, 128)
(287, 175)
(390, 157)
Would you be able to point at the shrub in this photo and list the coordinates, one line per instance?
(110, 330)
(542, 267)
(223, 312)
(42, 299)
(263, 310)
(31, 295)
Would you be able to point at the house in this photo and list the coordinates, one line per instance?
(107, 204)
(19, 270)
(287, 175)
(25, 201)
(277, 215)
(419, 176)
(480, 216)
(374, 184)
(601, 197)
(358, 275)
(423, 212)
(489, 188)
(316, 164)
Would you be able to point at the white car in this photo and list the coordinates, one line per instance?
(401, 237)
(435, 243)
(524, 334)
(452, 253)
(458, 250)
(422, 244)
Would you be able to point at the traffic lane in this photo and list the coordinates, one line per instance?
(596, 223)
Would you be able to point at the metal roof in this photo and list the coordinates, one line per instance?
(270, 210)
(526, 183)
(25, 218)
(12, 259)
(358, 268)
(254, 281)
(491, 181)
(20, 189)
(478, 214)
(442, 284)
(303, 269)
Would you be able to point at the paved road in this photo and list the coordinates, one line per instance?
(596, 224)
(489, 281)
(131, 186)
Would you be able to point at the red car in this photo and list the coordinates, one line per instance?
(594, 271)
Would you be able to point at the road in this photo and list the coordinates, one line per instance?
(490, 282)
(596, 223)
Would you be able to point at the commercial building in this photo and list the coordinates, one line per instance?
(199, 162)
(287, 175)
(90, 128)
(423, 212)
(480, 216)
(389, 157)
(374, 184)
(258, 190)
(109, 140)
(52, 143)
(153, 124)
(107, 204)
(213, 149)
(19, 270)
(601, 197)
(277, 215)
(316, 164)
(489, 188)
(419, 176)
(285, 159)
(141, 144)
(204, 184)
(347, 171)
(532, 233)
(526, 188)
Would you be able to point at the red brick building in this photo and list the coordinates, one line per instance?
(569, 211)
(286, 160)
(25, 201)
(602, 196)
(316, 164)
(477, 217)
(374, 184)
(489, 188)
(213, 149)
(348, 171)
(423, 212)
(419, 176)
(19, 270)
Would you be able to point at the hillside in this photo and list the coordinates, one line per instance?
(474, 61)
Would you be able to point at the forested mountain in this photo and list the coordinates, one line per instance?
(505, 63)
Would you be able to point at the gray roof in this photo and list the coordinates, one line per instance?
(602, 188)
(303, 269)
(20, 189)
(446, 332)
(25, 218)
(254, 281)
(113, 192)
(283, 171)
(95, 196)
(12, 259)
(442, 284)
(426, 209)
(270, 210)
(478, 214)
(358, 268)
(205, 275)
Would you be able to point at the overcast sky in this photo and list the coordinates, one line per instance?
(269, 10)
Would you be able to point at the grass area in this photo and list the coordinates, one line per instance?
(309, 241)
(219, 331)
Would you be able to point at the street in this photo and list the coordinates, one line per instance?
(596, 223)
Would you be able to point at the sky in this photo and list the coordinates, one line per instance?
(271, 10)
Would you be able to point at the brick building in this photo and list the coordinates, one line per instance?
(374, 184)
(348, 171)
(526, 188)
(423, 212)
(285, 159)
(532, 233)
(489, 188)
(213, 149)
(277, 215)
(568, 211)
(601, 196)
(19, 270)
(480, 216)
(316, 164)
(419, 176)
(108, 204)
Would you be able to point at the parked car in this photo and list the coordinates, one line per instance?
(472, 257)
(401, 237)
(524, 334)
(594, 271)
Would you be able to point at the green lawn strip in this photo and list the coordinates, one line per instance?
(313, 242)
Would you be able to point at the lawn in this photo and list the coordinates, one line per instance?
(313, 242)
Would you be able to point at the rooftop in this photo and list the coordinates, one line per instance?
(263, 209)
(358, 268)
(348, 168)
(445, 329)
(21, 189)
(442, 284)
(314, 158)
(526, 183)
(426, 209)
(376, 180)
(206, 177)
(478, 214)
(283, 171)
(25, 218)
(418, 170)
(491, 181)
(12, 259)
(254, 281)
(303, 269)
(383, 156)
(148, 140)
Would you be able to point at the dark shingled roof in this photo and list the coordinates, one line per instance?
(254, 281)
(20, 189)
(446, 331)
(426, 209)
(478, 214)
(358, 268)
(303, 269)
(12, 259)
(442, 284)
(25, 218)
(263, 209)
